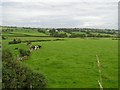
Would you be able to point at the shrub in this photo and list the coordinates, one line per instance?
(15, 41)
(73, 35)
(7, 55)
(24, 52)
(29, 42)
(15, 75)
(19, 41)
(3, 37)
(62, 35)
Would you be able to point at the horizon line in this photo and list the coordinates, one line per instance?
(58, 27)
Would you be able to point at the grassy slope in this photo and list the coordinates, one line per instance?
(23, 32)
(72, 63)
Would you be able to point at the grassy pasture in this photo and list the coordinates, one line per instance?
(24, 33)
(72, 63)
(94, 33)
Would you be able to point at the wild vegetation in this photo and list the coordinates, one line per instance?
(66, 58)
(15, 75)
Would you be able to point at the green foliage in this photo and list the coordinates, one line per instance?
(61, 35)
(88, 32)
(91, 35)
(3, 37)
(15, 41)
(19, 41)
(7, 56)
(55, 33)
(73, 35)
(29, 42)
(24, 52)
(102, 35)
(41, 30)
(15, 75)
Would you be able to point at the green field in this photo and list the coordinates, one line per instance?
(71, 63)
(23, 34)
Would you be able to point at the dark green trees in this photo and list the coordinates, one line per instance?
(15, 75)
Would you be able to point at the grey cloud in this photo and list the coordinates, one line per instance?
(65, 13)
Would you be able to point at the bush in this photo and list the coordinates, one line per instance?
(7, 55)
(73, 35)
(3, 37)
(24, 52)
(62, 35)
(19, 41)
(29, 42)
(15, 75)
(15, 41)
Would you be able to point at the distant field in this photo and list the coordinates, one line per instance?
(72, 63)
(24, 34)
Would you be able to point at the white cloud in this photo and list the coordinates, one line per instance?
(61, 13)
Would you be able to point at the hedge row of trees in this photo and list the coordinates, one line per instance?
(75, 35)
(105, 31)
(61, 35)
(15, 75)
(87, 33)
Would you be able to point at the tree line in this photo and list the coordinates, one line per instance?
(55, 32)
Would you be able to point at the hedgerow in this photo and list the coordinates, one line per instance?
(15, 75)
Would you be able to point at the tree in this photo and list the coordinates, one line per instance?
(88, 32)
(14, 41)
(15, 75)
(29, 42)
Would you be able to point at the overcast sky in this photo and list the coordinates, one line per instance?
(60, 13)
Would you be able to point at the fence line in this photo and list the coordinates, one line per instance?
(99, 82)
